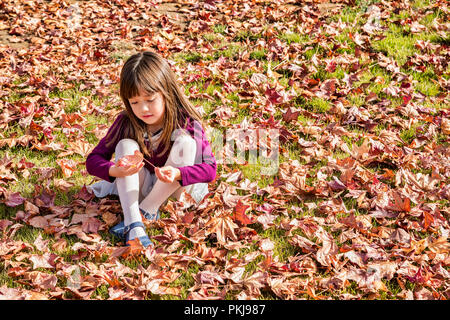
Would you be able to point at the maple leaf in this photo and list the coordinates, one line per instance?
(68, 166)
(47, 260)
(209, 277)
(134, 248)
(273, 96)
(41, 244)
(289, 116)
(60, 245)
(400, 203)
(63, 184)
(45, 173)
(4, 224)
(43, 280)
(11, 293)
(133, 160)
(267, 220)
(223, 227)
(38, 222)
(239, 213)
(84, 194)
(91, 225)
(13, 199)
(46, 197)
(110, 218)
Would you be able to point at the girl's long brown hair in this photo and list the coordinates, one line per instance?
(152, 73)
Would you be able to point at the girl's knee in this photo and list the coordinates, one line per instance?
(127, 143)
(125, 147)
(183, 151)
(185, 141)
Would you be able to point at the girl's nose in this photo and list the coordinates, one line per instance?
(145, 106)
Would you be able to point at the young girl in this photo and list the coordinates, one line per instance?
(161, 123)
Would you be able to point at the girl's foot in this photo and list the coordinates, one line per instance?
(118, 229)
(144, 239)
(149, 215)
(136, 233)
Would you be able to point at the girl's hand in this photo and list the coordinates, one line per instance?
(168, 174)
(121, 171)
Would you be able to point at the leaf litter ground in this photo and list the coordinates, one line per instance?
(359, 205)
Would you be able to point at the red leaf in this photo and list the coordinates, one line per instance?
(133, 160)
(4, 224)
(135, 247)
(427, 220)
(288, 116)
(273, 96)
(400, 204)
(46, 198)
(406, 99)
(188, 217)
(84, 194)
(239, 213)
(68, 166)
(14, 199)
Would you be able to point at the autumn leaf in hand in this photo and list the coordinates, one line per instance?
(132, 160)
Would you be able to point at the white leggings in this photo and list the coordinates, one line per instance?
(182, 154)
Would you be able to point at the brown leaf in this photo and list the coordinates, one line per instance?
(30, 208)
(44, 173)
(4, 224)
(11, 293)
(110, 218)
(63, 185)
(13, 199)
(305, 244)
(223, 227)
(401, 236)
(68, 166)
(84, 194)
(81, 147)
(400, 203)
(325, 255)
(60, 245)
(46, 197)
(267, 220)
(91, 225)
(41, 244)
(47, 260)
(441, 245)
(43, 280)
(38, 222)
(445, 125)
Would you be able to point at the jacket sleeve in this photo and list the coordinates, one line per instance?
(205, 167)
(99, 161)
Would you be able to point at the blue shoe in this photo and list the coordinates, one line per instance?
(149, 216)
(145, 240)
(117, 230)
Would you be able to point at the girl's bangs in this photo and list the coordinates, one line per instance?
(134, 83)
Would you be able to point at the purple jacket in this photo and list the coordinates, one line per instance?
(99, 161)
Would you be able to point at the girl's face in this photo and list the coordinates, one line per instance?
(149, 108)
